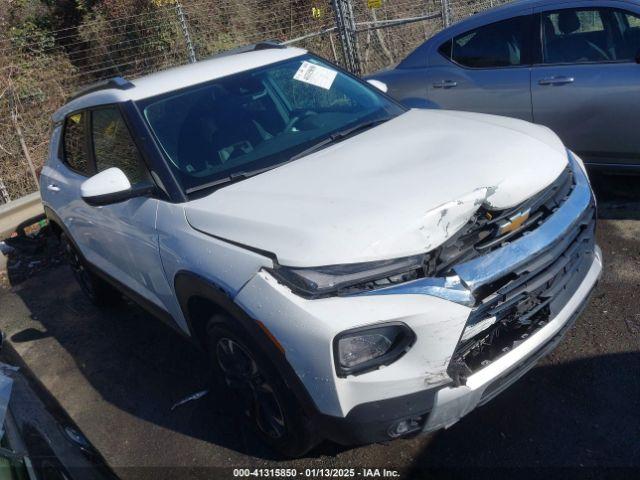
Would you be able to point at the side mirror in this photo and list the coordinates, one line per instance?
(638, 56)
(378, 84)
(109, 186)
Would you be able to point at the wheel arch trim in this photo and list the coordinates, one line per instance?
(190, 286)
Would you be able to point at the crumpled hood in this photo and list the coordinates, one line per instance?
(399, 189)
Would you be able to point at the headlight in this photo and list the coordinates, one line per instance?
(319, 281)
(364, 349)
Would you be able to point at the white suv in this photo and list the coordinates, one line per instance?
(357, 271)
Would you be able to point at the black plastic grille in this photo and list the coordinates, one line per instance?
(525, 300)
(516, 372)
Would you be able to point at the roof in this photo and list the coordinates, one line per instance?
(417, 58)
(180, 77)
(518, 5)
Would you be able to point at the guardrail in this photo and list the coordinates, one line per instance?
(19, 213)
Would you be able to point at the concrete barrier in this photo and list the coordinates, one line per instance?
(19, 213)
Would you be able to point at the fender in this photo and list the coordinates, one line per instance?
(190, 286)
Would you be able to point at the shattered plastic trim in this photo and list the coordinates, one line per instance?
(448, 288)
(452, 403)
(485, 269)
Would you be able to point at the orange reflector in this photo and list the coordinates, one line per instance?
(273, 339)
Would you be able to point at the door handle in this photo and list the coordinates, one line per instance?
(53, 188)
(445, 84)
(561, 80)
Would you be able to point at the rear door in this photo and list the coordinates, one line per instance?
(586, 85)
(69, 165)
(485, 69)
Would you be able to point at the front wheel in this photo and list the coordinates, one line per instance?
(267, 404)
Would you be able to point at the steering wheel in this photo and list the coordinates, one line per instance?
(603, 55)
(294, 120)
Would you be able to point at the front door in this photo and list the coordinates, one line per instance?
(587, 86)
(124, 239)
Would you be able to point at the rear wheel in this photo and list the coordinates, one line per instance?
(99, 292)
(267, 404)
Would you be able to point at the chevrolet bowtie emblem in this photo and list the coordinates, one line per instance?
(514, 222)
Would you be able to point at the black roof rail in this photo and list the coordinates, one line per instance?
(266, 45)
(119, 83)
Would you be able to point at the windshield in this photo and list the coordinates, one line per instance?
(249, 122)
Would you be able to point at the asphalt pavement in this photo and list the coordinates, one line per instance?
(117, 372)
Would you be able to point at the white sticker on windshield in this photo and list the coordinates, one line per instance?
(317, 75)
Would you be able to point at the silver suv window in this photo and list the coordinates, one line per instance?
(113, 145)
(258, 119)
(75, 152)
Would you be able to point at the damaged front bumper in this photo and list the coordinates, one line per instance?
(538, 282)
(452, 403)
(441, 407)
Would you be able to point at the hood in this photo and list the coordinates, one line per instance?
(396, 190)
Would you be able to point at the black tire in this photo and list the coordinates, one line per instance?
(267, 404)
(98, 291)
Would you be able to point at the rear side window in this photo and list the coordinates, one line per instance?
(113, 145)
(75, 153)
(445, 49)
(500, 44)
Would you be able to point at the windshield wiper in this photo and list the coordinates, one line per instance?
(234, 177)
(334, 137)
(358, 128)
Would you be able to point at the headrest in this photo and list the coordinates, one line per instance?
(568, 22)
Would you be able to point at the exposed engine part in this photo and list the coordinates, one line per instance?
(515, 307)
(486, 231)
(490, 229)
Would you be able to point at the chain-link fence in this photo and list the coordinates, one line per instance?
(460, 9)
(40, 67)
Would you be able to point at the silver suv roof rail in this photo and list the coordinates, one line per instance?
(266, 45)
(123, 84)
(116, 82)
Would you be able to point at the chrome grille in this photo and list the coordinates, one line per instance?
(515, 306)
(482, 233)
(540, 206)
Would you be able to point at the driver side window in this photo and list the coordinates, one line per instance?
(114, 147)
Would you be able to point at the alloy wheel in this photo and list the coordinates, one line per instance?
(242, 372)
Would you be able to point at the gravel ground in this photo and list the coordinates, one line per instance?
(117, 372)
